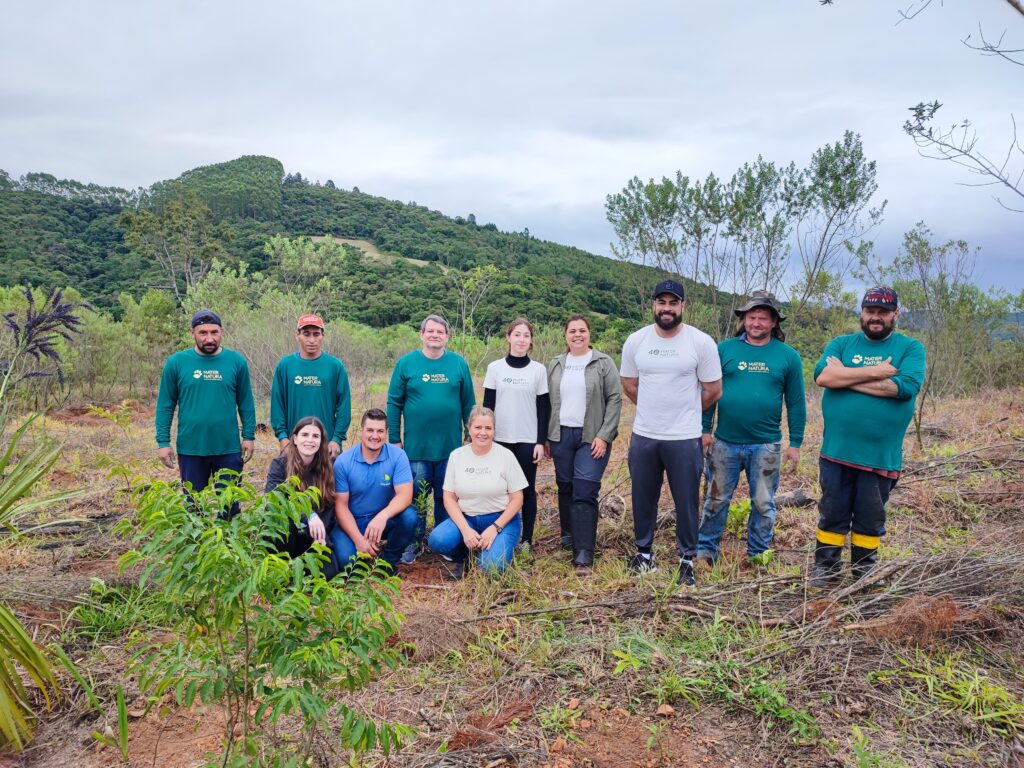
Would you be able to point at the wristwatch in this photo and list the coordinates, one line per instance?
(497, 527)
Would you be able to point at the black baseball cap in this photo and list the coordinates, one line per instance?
(206, 317)
(669, 286)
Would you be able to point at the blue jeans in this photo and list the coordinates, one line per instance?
(761, 463)
(429, 474)
(397, 534)
(446, 539)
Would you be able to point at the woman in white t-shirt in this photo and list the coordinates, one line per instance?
(586, 399)
(516, 389)
(483, 492)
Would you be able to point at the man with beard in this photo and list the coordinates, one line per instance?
(311, 382)
(209, 386)
(672, 372)
(871, 380)
(373, 497)
(760, 372)
(429, 400)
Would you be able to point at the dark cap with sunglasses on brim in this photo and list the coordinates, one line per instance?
(880, 296)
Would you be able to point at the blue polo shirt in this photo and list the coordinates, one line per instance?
(371, 487)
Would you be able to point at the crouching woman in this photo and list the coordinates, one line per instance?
(306, 457)
(483, 493)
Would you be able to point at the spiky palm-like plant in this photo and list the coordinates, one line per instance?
(33, 336)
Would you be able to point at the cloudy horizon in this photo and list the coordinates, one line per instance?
(527, 116)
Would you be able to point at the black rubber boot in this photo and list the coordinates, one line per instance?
(583, 558)
(584, 526)
(863, 561)
(828, 564)
(565, 514)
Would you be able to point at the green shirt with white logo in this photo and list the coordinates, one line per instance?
(434, 397)
(311, 388)
(864, 429)
(756, 381)
(210, 393)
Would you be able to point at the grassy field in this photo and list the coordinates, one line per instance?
(544, 668)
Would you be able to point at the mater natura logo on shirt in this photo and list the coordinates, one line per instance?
(434, 378)
(478, 471)
(753, 366)
(657, 352)
(213, 375)
(307, 381)
(867, 359)
(516, 381)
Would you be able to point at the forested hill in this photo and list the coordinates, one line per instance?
(102, 241)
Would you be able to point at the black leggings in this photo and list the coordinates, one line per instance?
(524, 455)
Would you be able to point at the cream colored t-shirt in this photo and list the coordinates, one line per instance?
(483, 483)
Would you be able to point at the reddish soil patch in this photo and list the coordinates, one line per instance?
(104, 569)
(616, 738)
(426, 570)
(178, 739)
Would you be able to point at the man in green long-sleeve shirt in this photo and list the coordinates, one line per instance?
(311, 382)
(429, 400)
(209, 387)
(871, 380)
(760, 372)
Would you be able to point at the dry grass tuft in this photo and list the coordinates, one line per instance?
(520, 709)
(432, 632)
(918, 621)
(468, 736)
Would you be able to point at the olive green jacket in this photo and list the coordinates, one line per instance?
(604, 398)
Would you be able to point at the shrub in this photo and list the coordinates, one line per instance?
(255, 631)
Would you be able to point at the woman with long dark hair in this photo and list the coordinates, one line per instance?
(306, 457)
(586, 399)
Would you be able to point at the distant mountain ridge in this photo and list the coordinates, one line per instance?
(64, 232)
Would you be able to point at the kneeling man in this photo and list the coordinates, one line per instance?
(373, 496)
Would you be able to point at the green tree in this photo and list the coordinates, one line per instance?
(262, 634)
(832, 211)
(183, 240)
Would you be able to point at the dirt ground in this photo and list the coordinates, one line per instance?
(532, 699)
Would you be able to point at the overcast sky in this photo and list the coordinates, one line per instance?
(526, 114)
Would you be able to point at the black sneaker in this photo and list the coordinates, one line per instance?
(685, 576)
(457, 572)
(642, 563)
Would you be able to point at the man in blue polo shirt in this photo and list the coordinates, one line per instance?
(373, 496)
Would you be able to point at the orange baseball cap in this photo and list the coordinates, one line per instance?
(310, 320)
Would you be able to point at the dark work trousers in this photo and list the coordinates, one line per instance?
(578, 475)
(852, 501)
(524, 455)
(682, 461)
(298, 541)
(197, 471)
